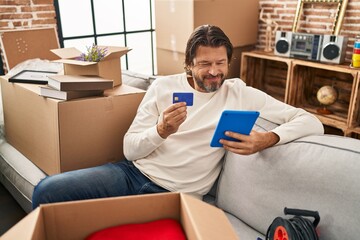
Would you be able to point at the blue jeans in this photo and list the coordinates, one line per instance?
(109, 180)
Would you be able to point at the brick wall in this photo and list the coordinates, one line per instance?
(17, 14)
(24, 14)
(315, 18)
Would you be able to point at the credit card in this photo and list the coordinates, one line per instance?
(187, 97)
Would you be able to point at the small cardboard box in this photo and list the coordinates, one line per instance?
(78, 219)
(109, 67)
(58, 135)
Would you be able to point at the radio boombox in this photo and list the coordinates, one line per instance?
(314, 47)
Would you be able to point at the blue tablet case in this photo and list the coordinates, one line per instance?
(235, 121)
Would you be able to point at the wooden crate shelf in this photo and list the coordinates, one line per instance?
(308, 78)
(355, 106)
(296, 82)
(266, 73)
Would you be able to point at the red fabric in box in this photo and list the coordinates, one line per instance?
(164, 229)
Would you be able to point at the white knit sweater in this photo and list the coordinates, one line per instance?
(185, 162)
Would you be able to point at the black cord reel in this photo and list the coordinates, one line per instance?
(295, 228)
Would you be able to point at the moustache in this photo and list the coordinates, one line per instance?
(213, 76)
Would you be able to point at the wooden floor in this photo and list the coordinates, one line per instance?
(10, 210)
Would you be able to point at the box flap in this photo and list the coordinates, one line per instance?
(204, 221)
(115, 52)
(27, 228)
(75, 62)
(20, 45)
(67, 53)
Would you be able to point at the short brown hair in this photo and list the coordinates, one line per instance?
(209, 36)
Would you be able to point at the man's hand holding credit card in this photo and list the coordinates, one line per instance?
(187, 97)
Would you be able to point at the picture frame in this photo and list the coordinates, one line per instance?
(32, 76)
(338, 20)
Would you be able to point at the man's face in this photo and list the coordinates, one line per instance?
(210, 68)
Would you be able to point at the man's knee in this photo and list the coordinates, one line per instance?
(46, 191)
(39, 193)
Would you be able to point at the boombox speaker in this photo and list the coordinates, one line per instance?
(282, 43)
(333, 49)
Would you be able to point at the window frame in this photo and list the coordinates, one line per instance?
(125, 33)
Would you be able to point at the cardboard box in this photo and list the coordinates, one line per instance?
(22, 44)
(109, 67)
(58, 135)
(240, 23)
(170, 62)
(76, 220)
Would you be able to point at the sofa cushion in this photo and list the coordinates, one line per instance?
(137, 80)
(314, 173)
(18, 174)
(243, 230)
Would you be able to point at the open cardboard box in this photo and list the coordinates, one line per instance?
(78, 219)
(59, 136)
(109, 67)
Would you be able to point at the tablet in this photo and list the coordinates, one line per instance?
(234, 121)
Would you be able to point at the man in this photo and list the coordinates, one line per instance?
(167, 147)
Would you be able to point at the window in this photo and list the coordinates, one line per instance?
(129, 23)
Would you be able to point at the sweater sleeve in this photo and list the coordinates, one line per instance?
(293, 122)
(300, 124)
(142, 137)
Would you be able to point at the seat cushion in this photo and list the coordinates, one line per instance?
(319, 173)
(243, 230)
(137, 80)
(18, 174)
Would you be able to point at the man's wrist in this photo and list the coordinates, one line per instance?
(273, 139)
(161, 130)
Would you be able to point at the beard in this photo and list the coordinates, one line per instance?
(207, 85)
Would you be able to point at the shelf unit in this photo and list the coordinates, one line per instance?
(268, 73)
(354, 130)
(296, 82)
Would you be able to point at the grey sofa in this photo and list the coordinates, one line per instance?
(319, 173)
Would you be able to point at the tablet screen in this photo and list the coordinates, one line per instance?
(234, 121)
